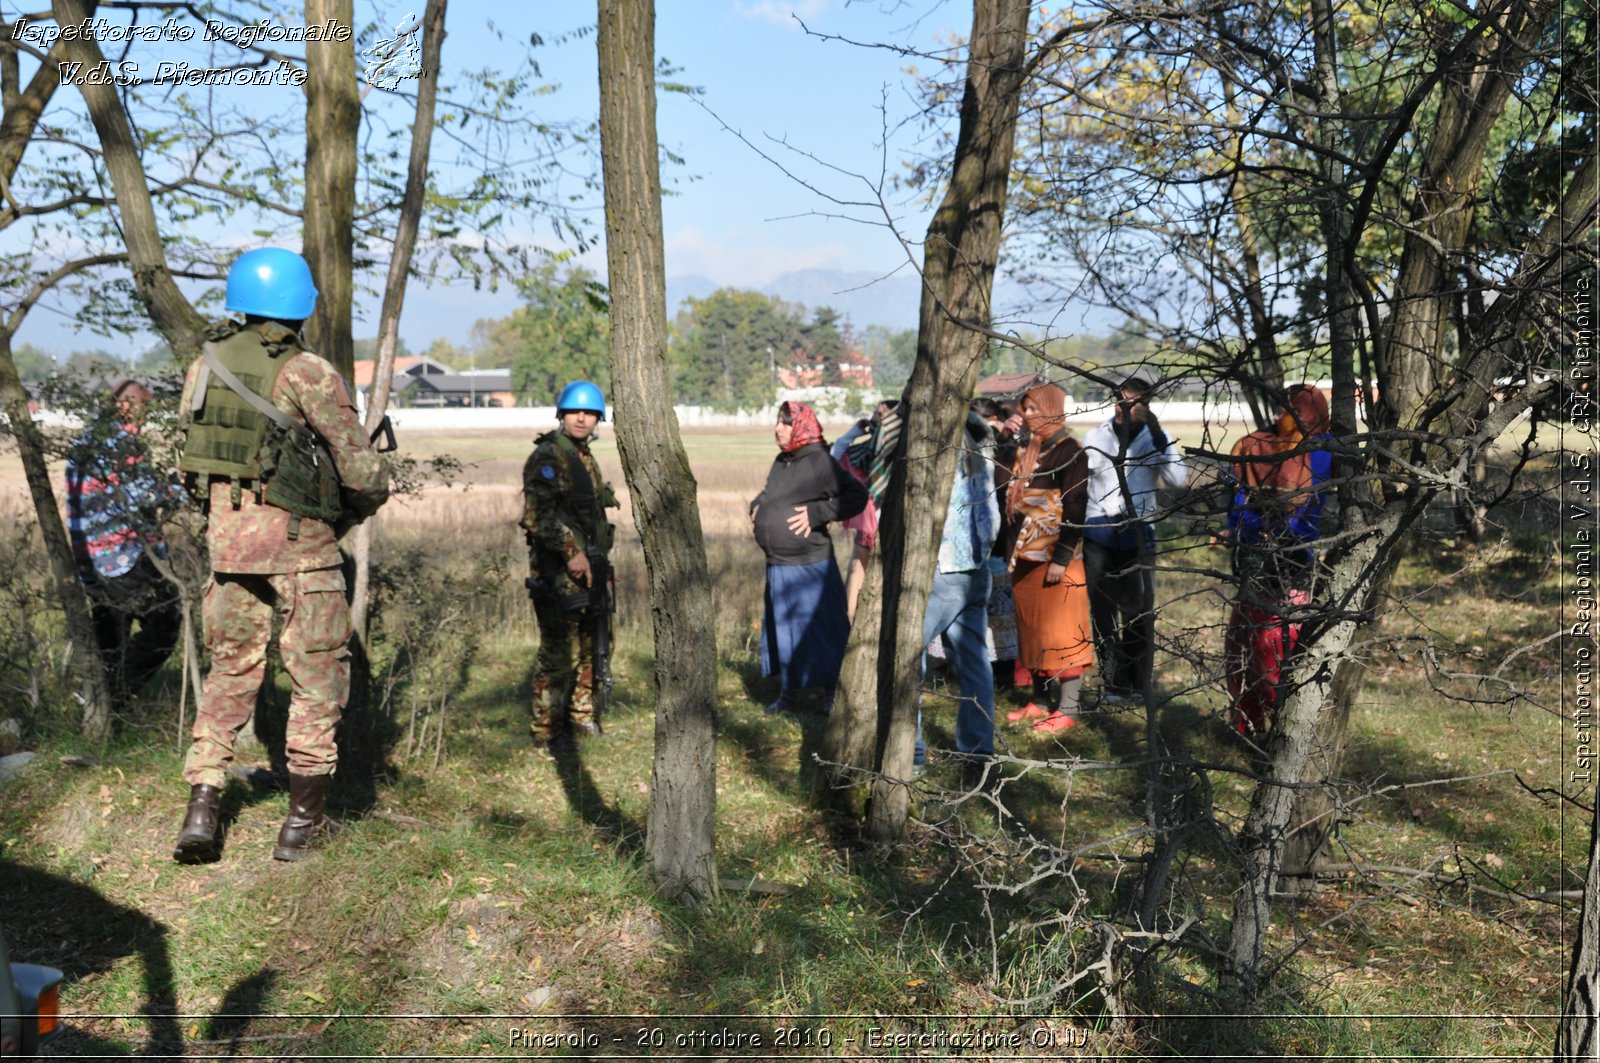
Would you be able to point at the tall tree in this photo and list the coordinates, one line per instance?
(727, 346)
(558, 334)
(959, 258)
(824, 343)
(333, 127)
(680, 840)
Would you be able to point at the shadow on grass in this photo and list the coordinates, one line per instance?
(766, 740)
(242, 1005)
(64, 924)
(624, 834)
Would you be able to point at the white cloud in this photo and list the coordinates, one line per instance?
(780, 12)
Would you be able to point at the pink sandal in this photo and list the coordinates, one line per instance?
(1055, 724)
(1030, 711)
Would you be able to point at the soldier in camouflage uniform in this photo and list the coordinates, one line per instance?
(565, 499)
(266, 558)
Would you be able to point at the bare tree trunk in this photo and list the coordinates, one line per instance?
(1578, 1037)
(1475, 90)
(1301, 758)
(169, 310)
(850, 739)
(394, 288)
(960, 253)
(22, 108)
(680, 842)
(1266, 387)
(1315, 817)
(333, 122)
(86, 663)
(1290, 747)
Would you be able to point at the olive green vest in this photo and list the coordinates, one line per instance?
(223, 433)
(227, 437)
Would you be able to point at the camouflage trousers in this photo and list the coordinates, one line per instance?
(314, 644)
(563, 689)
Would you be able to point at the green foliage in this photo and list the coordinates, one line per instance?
(368, 348)
(95, 363)
(892, 352)
(444, 352)
(822, 341)
(1181, 175)
(561, 333)
(32, 363)
(225, 165)
(725, 348)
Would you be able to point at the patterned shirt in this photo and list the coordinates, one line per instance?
(552, 499)
(112, 496)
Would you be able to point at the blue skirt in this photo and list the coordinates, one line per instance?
(804, 627)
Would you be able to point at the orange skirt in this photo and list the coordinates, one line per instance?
(1053, 633)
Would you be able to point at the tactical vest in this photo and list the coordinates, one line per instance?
(586, 500)
(226, 437)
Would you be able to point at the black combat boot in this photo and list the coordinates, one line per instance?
(307, 822)
(199, 842)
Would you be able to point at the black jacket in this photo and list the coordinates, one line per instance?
(809, 477)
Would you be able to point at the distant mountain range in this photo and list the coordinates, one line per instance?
(862, 297)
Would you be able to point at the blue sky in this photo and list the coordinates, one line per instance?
(834, 113)
(816, 106)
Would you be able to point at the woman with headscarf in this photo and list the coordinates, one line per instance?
(1044, 505)
(1275, 519)
(804, 627)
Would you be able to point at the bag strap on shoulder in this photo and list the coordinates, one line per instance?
(267, 409)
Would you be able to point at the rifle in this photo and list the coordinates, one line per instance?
(602, 603)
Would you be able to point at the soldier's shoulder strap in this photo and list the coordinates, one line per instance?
(581, 485)
(262, 406)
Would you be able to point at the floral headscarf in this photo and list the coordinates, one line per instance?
(807, 429)
(1310, 417)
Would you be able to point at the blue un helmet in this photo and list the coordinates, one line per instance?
(581, 395)
(271, 282)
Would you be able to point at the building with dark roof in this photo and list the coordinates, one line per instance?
(482, 388)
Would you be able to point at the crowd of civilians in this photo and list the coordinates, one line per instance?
(1046, 567)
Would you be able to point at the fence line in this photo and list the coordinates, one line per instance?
(533, 417)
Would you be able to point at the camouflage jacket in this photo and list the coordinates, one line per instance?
(245, 535)
(559, 511)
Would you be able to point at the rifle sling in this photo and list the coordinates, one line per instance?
(589, 492)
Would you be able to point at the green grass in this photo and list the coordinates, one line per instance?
(498, 883)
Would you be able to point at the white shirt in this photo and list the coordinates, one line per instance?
(1144, 465)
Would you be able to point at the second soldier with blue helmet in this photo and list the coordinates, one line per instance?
(564, 502)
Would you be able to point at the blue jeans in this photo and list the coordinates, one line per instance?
(958, 607)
